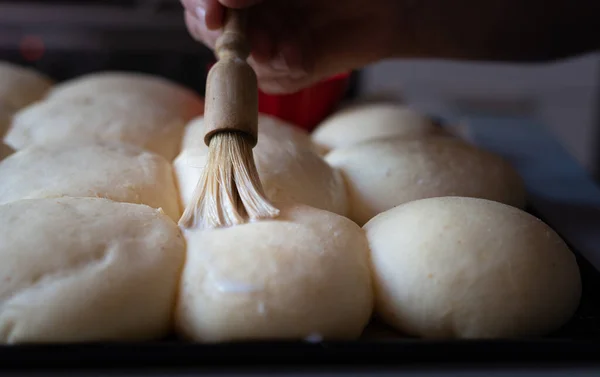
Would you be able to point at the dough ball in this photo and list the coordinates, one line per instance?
(382, 174)
(120, 172)
(268, 126)
(20, 86)
(87, 269)
(125, 117)
(303, 276)
(470, 268)
(5, 151)
(371, 121)
(160, 90)
(290, 171)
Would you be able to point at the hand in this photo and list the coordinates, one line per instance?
(296, 43)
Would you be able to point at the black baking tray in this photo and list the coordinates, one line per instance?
(577, 343)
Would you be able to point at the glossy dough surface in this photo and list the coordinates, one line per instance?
(304, 275)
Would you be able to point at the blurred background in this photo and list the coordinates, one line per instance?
(67, 38)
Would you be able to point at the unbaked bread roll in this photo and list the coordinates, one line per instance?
(470, 268)
(20, 86)
(382, 174)
(126, 117)
(370, 121)
(87, 269)
(5, 151)
(162, 91)
(290, 171)
(304, 275)
(116, 171)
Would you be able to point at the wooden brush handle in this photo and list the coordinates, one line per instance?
(231, 87)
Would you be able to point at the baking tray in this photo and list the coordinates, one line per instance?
(561, 193)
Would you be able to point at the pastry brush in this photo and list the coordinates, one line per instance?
(229, 192)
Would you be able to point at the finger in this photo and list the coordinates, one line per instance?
(211, 11)
(199, 31)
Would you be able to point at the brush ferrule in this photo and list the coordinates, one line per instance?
(231, 102)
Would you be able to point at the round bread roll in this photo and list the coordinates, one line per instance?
(5, 151)
(116, 171)
(268, 126)
(470, 268)
(371, 121)
(162, 91)
(126, 117)
(304, 275)
(382, 174)
(87, 269)
(290, 171)
(20, 86)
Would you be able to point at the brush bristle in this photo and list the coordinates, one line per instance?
(229, 191)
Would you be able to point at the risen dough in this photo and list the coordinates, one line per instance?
(371, 121)
(160, 90)
(20, 86)
(289, 170)
(470, 268)
(5, 151)
(127, 117)
(382, 174)
(121, 172)
(86, 269)
(304, 275)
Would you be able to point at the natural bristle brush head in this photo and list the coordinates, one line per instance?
(229, 191)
